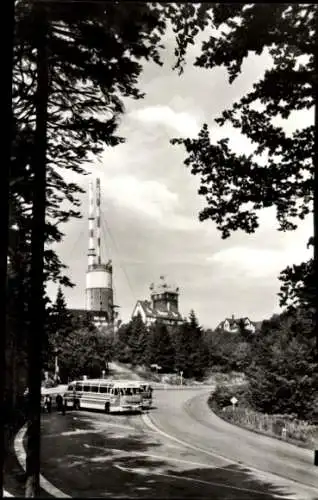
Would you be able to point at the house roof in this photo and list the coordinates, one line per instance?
(158, 313)
(234, 322)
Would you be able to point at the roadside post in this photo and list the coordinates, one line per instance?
(234, 402)
(181, 375)
(315, 446)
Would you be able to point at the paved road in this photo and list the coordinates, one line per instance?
(186, 416)
(90, 454)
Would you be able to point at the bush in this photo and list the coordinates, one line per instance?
(223, 394)
(273, 425)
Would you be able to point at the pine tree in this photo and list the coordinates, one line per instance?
(61, 318)
(65, 75)
(160, 349)
(183, 348)
(122, 351)
(138, 340)
(59, 324)
(198, 354)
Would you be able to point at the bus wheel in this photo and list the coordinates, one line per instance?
(107, 407)
(76, 405)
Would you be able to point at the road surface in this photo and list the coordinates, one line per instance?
(186, 416)
(178, 450)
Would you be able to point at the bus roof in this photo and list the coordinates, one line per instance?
(92, 381)
(117, 383)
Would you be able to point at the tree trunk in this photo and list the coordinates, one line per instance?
(36, 328)
(315, 161)
(7, 58)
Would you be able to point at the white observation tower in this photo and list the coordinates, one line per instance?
(99, 276)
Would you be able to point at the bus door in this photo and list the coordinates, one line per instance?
(115, 397)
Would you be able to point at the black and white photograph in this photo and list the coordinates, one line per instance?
(159, 240)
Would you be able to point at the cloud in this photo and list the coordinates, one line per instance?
(257, 262)
(149, 197)
(182, 122)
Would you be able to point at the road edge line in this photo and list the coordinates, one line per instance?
(147, 420)
(21, 457)
(5, 494)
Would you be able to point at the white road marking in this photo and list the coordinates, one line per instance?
(152, 426)
(6, 494)
(267, 475)
(21, 456)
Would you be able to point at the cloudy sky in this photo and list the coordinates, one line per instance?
(150, 205)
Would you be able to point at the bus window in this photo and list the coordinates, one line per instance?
(94, 388)
(115, 391)
(79, 387)
(86, 388)
(71, 387)
(104, 389)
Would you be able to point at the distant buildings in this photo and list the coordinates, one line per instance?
(97, 318)
(234, 325)
(163, 305)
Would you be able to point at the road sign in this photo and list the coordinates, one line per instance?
(234, 400)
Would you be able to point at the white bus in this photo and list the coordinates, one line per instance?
(103, 394)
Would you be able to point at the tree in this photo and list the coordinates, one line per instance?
(93, 63)
(67, 73)
(197, 354)
(183, 347)
(59, 325)
(83, 353)
(122, 351)
(61, 321)
(36, 312)
(237, 186)
(5, 197)
(138, 340)
(160, 349)
(282, 373)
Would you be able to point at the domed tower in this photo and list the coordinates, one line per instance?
(164, 296)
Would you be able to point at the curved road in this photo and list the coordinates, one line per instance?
(180, 449)
(186, 416)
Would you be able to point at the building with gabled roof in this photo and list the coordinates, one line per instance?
(233, 325)
(163, 305)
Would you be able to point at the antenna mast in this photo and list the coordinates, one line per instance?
(91, 243)
(98, 231)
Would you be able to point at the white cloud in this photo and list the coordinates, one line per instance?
(257, 262)
(149, 197)
(184, 123)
